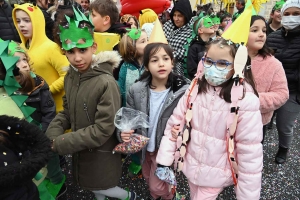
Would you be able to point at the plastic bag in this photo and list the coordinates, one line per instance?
(128, 119)
(137, 142)
(166, 174)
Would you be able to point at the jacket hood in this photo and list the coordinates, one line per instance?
(103, 63)
(37, 21)
(40, 84)
(118, 28)
(184, 7)
(111, 57)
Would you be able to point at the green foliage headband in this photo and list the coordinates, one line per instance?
(76, 32)
(134, 33)
(10, 84)
(278, 5)
(14, 47)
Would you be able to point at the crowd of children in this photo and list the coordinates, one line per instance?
(209, 87)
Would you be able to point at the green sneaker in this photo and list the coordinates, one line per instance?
(57, 190)
(179, 196)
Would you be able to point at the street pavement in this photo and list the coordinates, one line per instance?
(279, 182)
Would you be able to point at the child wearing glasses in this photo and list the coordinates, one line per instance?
(156, 93)
(206, 153)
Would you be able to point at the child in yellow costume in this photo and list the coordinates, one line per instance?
(46, 57)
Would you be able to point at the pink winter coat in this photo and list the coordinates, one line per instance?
(206, 163)
(271, 85)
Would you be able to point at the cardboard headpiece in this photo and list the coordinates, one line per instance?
(10, 83)
(76, 32)
(157, 35)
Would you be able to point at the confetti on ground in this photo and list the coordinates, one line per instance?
(279, 181)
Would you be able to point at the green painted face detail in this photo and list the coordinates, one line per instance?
(207, 22)
(76, 32)
(14, 47)
(278, 5)
(134, 33)
(215, 20)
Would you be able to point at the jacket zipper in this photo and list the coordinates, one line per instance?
(208, 119)
(86, 111)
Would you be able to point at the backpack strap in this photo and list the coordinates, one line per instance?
(240, 61)
(236, 95)
(191, 93)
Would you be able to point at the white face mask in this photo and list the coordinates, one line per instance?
(290, 22)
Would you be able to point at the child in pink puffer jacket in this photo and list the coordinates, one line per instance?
(220, 151)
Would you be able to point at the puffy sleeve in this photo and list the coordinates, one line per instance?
(165, 155)
(103, 128)
(278, 93)
(249, 152)
(59, 62)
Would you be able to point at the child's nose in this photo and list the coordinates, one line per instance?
(77, 57)
(161, 63)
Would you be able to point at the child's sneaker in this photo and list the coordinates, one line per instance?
(133, 196)
(179, 197)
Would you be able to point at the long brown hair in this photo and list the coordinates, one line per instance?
(225, 92)
(26, 81)
(265, 50)
(127, 48)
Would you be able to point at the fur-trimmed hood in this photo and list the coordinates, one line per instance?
(102, 63)
(111, 57)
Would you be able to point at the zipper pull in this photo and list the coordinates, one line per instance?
(86, 111)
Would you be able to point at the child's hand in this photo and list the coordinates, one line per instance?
(125, 136)
(175, 131)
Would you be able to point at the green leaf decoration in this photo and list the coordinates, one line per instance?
(19, 99)
(14, 47)
(134, 33)
(278, 5)
(10, 84)
(27, 111)
(76, 33)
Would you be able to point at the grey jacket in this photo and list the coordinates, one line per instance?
(138, 99)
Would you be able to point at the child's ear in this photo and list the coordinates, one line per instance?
(94, 47)
(200, 31)
(106, 20)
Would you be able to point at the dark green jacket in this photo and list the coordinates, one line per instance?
(90, 103)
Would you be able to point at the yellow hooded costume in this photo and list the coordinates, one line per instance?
(45, 55)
